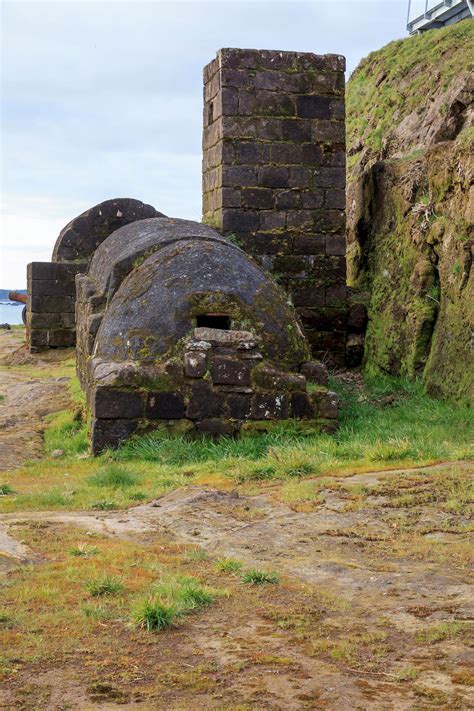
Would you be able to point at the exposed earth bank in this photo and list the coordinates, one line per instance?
(410, 207)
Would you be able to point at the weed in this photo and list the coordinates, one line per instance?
(105, 585)
(259, 577)
(228, 565)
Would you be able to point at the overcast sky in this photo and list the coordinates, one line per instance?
(104, 99)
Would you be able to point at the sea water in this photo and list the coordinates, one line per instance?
(10, 312)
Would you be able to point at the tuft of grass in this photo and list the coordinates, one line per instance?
(105, 505)
(228, 565)
(6, 490)
(259, 577)
(153, 615)
(83, 550)
(171, 598)
(105, 585)
(114, 476)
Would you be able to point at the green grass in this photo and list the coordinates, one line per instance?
(153, 615)
(413, 429)
(6, 490)
(83, 550)
(104, 585)
(259, 577)
(66, 431)
(170, 599)
(114, 476)
(441, 632)
(228, 565)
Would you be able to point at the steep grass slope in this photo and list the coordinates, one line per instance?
(411, 204)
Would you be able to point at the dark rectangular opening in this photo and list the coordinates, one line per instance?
(221, 321)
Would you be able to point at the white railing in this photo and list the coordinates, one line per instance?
(427, 14)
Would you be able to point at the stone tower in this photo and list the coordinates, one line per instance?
(274, 175)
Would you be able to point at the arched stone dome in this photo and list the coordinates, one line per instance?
(191, 280)
(79, 239)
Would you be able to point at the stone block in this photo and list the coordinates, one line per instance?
(195, 364)
(296, 130)
(239, 220)
(273, 177)
(164, 406)
(114, 403)
(239, 175)
(111, 433)
(228, 371)
(309, 244)
(237, 404)
(324, 130)
(285, 154)
(258, 198)
(288, 200)
(50, 304)
(301, 406)
(204, 402)
(315, 372)
(62, 338)
(312, 106)
(270, 220)
(330, 177)
(270, 406)
(312, 199)
(326, 403)
(267, 377)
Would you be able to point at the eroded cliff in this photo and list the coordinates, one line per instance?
(410, 207)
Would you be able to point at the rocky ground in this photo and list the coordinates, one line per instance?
(372, 610)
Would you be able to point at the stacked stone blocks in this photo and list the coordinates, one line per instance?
(221, 386)
(274, 175)
(50, 307)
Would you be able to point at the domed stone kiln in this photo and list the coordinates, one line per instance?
(178, 328)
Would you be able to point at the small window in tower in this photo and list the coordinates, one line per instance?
(221, 321)
(210, 113)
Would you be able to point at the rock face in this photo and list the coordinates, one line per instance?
(50, 313)
(180, 329)
(410, 208)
